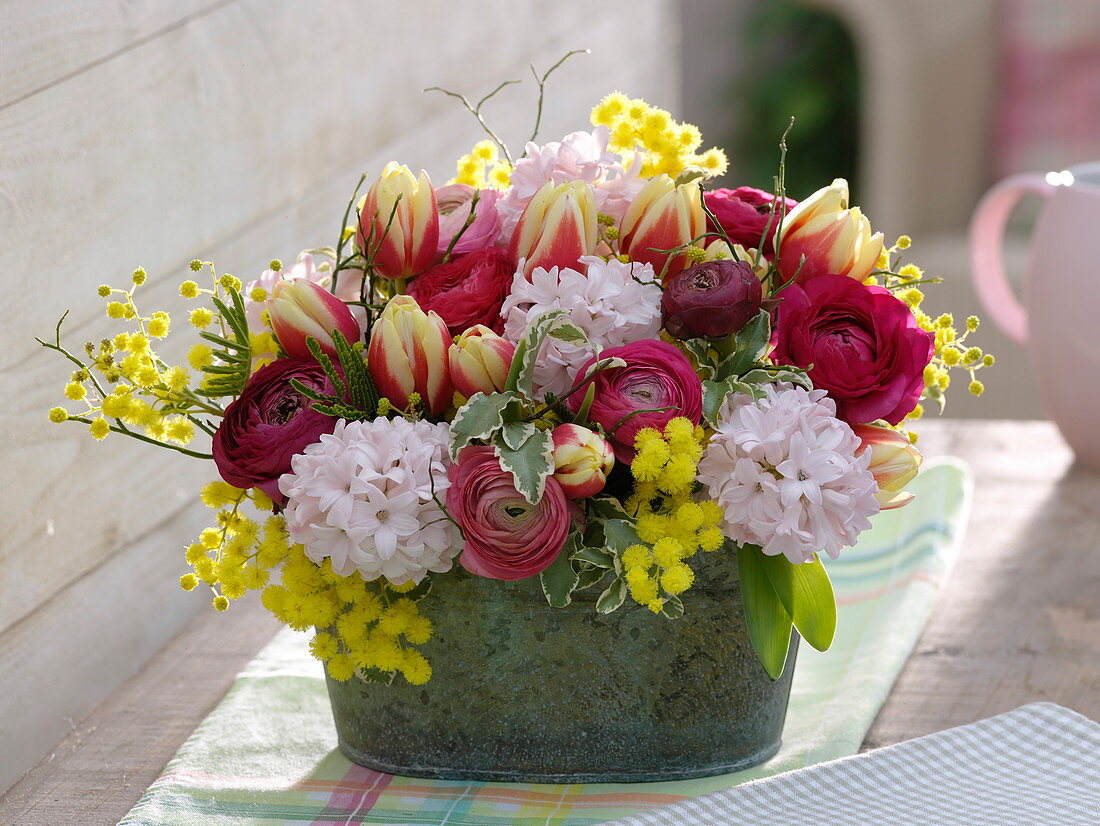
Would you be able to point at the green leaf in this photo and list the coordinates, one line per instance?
(479, 418)
(322, 358)
(559, 580)
(376, 675)
(529, 463)
(715, 393)
(620, 534)
(515, 434)
(768, 622)
(751, 345)
(595, 556)
(588, 577)
(550, 323)
(613, 598)
(607, 507)
(807, 595)
(793, 375)
(673, 607)
(361, 390)
(705, 354)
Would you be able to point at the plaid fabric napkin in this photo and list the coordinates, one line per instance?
(267, 754)
(1039, 764)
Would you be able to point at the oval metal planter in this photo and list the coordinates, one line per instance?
(524, 692)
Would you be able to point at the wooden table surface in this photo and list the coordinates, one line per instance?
(1018, 621)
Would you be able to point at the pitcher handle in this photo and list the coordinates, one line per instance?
(986, 243)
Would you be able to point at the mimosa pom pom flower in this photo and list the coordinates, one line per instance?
(584, 363)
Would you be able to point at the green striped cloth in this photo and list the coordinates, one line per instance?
(267, 754)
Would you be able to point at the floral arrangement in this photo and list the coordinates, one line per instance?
(584, 364)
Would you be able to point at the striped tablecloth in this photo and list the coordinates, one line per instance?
(267, 754)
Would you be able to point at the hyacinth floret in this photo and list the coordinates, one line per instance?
(785, 472)
(366, 497)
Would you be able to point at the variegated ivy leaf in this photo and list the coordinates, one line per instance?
(559, 579)
(481, 417)
(750, 346)
(613, 598)
(606, 507)
(595, 556)
(715, 393)
(529, 462)
(553, 323)
(620, 534)
(793, 375)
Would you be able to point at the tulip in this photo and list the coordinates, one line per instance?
(408, 354)
(835, 239)
(556, 228)
(409, 246)
(479, 361)
(301, 308)
(894, 462)
(662, 216)
(582, 460)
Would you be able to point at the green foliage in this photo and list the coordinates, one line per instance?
(750, 346)
(554, 323)
(559, 580)
(807, 596)
(768, 622)
(481, 417)
(613, 598)
(526, 453)
(355, 397)
(797, 61)
(233, 356)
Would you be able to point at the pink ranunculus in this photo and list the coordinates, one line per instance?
(744, 213)
(861, 344)
(270, 423)
(658, 380)
(453, 201)
(506, 536)
(467, 291)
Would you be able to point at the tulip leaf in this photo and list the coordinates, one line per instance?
(480, 418)
(807, 596)
(613, 598)
(529, 462)
(768, 622)
(750, 346)
(559, 579)
(553, 323)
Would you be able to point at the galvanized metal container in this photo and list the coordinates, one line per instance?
(521, 691)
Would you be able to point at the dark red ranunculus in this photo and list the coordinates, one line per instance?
(865, 346)
(712, 299)
(269, 424)
(743, 214)
(468, 290)
(658, 383)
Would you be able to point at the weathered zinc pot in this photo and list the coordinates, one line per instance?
(521, 691)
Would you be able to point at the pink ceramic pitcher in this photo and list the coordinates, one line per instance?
(1058, 319)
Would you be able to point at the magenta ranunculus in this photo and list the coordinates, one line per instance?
(453, 201)
(506, 536)
(864, 346)
(269, 423)
(467, 291)
(743, 214)
(658, 380)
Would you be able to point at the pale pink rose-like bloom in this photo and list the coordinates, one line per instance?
(364, 497)
(615, 303)
(579, 156)
(453, 202)
(788, 474)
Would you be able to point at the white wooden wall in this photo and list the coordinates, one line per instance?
(150, 133)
